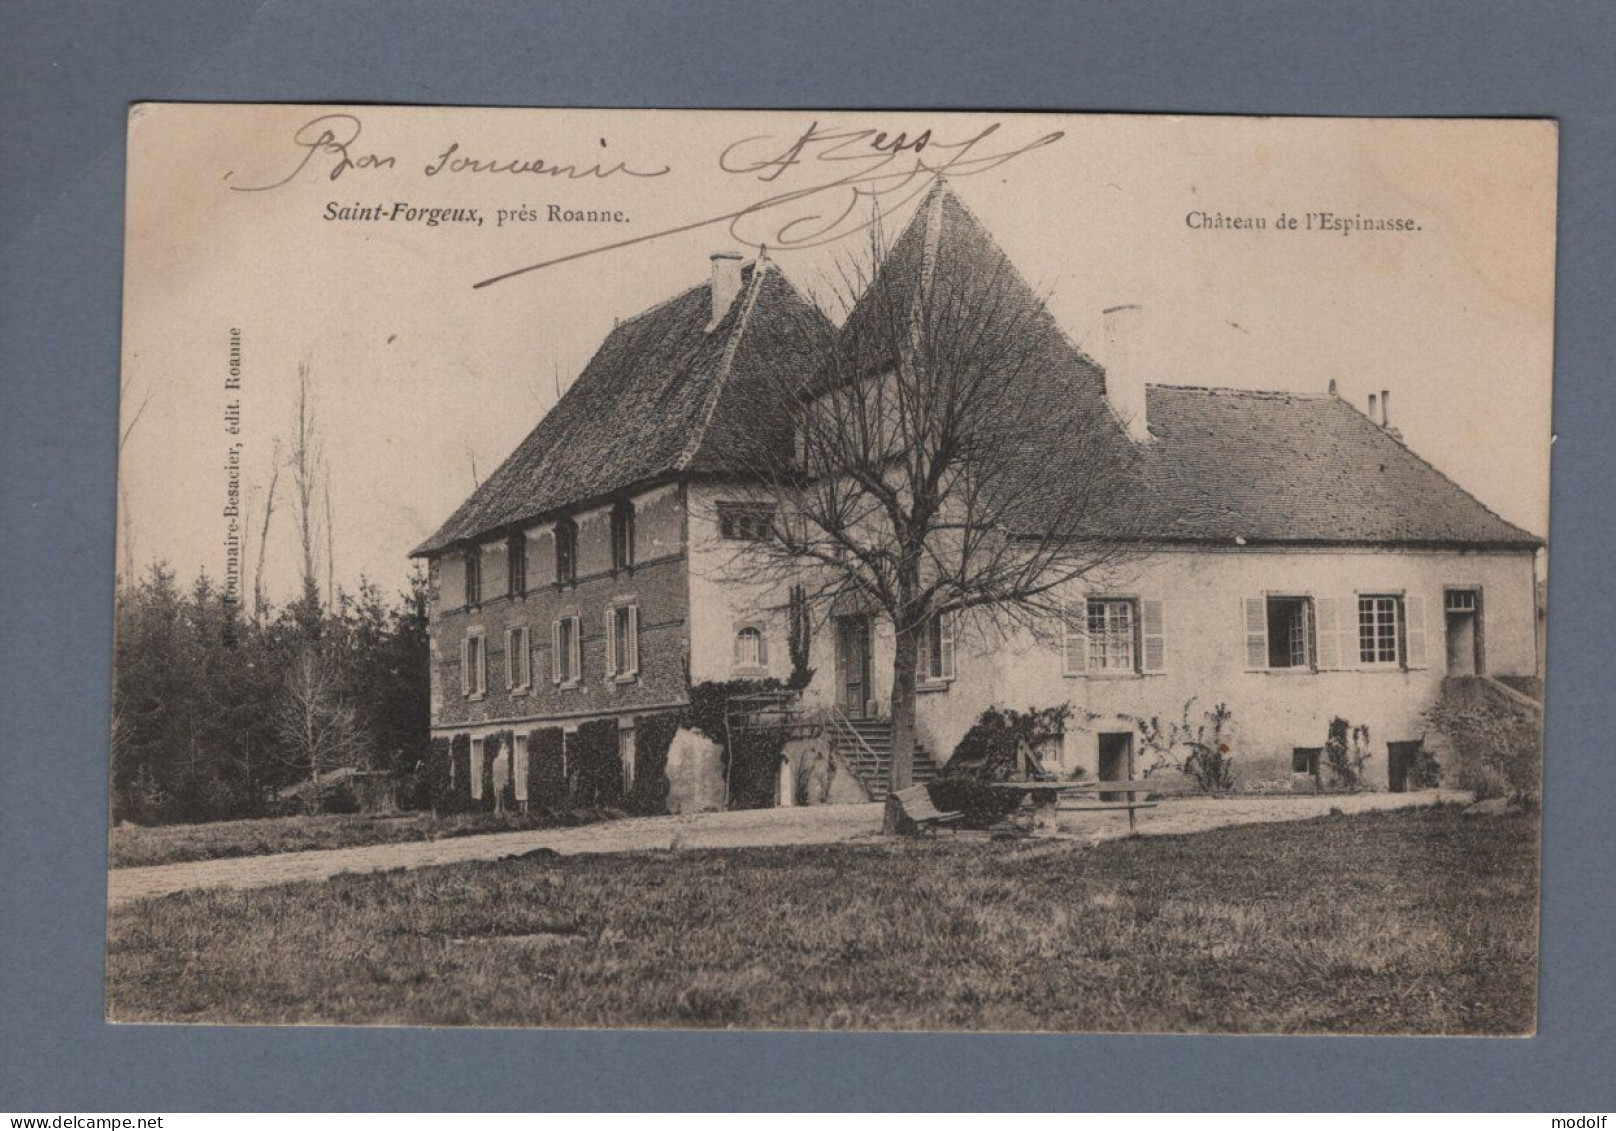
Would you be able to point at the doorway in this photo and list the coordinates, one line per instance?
(1462, 618)
(1116, 756)
(1400, 758)
(853, 665)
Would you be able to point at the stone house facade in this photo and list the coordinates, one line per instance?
(1302, 562)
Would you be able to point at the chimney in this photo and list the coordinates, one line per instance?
(1332, 386)
(1385, 408)
(1374, 408)
(1124, 388)
(726, 284)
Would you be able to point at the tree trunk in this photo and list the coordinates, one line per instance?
(905, 658)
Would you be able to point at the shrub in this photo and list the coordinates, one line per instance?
(1196, 750)
(1346, 752)
(982, 805)
(459, 798)
(594, 765)
(989, 750)
(546, 768)
(653, 735)
(435, 771)
(1497, 743)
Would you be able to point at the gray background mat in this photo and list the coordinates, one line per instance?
(68, 72)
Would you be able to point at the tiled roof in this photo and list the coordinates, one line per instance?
(663, 396)
(1285, 467)
(654, 401)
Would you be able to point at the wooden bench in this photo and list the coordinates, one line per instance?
(918, 808)
(1128, 805)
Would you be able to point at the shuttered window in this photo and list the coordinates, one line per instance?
(940, 648)
(566, 652)
(474, 577)
(623, 641)
(566, 551)
(473, 665)
(518, 659)
(1380, 629)
(1113, 625)
(1075, 637)
(1280, 633)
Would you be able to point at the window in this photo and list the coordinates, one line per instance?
(518, 659)
(939, 658)
(566, 551)
(1280, 633)
(1305, 760)
(1111, 628)
(519, 768)
(750, 649)
(474, 577)
(1380, 629)
(1461, 600)
(476, 769)
(623, 642)
(474, 665)
(566, 652)
(516, 556)
(745, 522)
(623, 536)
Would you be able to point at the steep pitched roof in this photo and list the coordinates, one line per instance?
(1285, 467)
(654, 401)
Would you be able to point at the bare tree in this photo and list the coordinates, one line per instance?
(128, 429)
(306, 462)
(950, 452)
(260, 602)
(318, 732)
(330, 546)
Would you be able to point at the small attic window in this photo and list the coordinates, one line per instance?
(745, 522)
(566, 552)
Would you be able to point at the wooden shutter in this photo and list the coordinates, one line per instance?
(555, 651)
(631, 665)
(1075, 636)
(611, 643)
(1256, 621)
(577, 643)
(945, 634)
(465, 666)
(1152, 636)
(1414, 631)
(1330, 638)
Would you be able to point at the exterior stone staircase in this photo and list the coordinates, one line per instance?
(865, 746)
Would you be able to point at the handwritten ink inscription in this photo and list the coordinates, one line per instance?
(824, 183)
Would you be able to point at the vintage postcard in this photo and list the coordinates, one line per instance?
(846, 570)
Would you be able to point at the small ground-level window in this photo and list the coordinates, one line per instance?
(1305, 760)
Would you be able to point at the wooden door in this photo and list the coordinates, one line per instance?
(853, 665)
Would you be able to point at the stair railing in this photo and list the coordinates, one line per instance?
(845, 726)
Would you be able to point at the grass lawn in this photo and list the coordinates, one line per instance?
(1415, 921)
(133, 845)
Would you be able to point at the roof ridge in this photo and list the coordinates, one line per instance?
(1220, 389)
(760, 270)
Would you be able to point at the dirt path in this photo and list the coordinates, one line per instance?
(826, 824)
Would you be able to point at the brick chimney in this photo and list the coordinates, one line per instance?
(1124, 386)
(726, 284)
